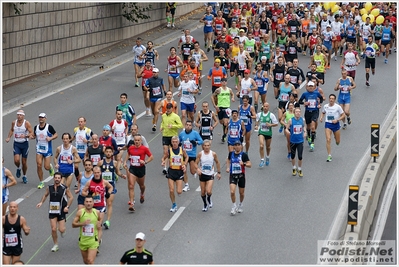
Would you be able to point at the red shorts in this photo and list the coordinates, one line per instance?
(338, 38)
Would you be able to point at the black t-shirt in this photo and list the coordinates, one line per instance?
(133, 257)
(309, 75)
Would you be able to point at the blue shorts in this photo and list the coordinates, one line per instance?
(344, 98)
(248, 128)
(155, 99)
(81, 155)
(5, 199)
(208, 29)
(188, 107)
(81, 200)
(114, 191)
(21, 149)
(140, 64)
(45, 155)
(333, 126)
(174, 75)
(101, 209)
(262, 91)
(328, 45)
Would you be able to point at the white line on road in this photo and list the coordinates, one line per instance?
(48, 179)
(173, 219)
(198, 189)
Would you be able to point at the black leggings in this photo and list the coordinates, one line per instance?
(296, 147)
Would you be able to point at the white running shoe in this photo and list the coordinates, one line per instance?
(186, 188)
(55, 248)
(205, 208)
(240, 210)
(210, 204)
(233, 210)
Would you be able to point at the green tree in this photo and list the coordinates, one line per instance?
(133, 12)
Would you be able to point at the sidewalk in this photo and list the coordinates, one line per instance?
(17, 94)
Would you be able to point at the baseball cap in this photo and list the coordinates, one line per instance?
(310, 83)
(155, 70)
(242, 30)
(107, 127)
(301, 5)
(217, 60)
(247, 71)
(169, 105)
(42, 115)
(237, 142)
(328, 26)
(140, 236)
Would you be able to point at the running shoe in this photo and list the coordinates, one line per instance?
(344, 127)
(280, 130)
(107, 224)
(386, 61)
(367, 83)
(40, 186)
(54, 248)
(24, 179)
(76, 186)
(311, 147)
(18, 173)
(209, 49)
(233, 210)
(173, 25)
(186, 188)
(205, 208)
(131, 206)
(199, 90)
(210, 204)
(154, 127)
(349, 120)
(329, 158)
(51, 171)
(340, 54)
(335, 58)
(309, 140)
(168, 25)
(262, 163)
(289, 156)
(300, 173)
(63, 234)
(136, 85)
(117, 176)
(293, 172)
(142, 199)
(164, 171)
(267, 161)
(174, 208)
(239, 209)
(256, 129)
(223, 138)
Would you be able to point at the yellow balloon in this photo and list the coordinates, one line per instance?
(363, 11)
(375, 12)
(364, 17)
(335, 8)
(368, 6)
(332, 4)
(371, 16)
(326, 5)
(379, 20)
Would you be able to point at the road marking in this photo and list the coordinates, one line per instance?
(198, 189)
(48, 179)
(173, 219)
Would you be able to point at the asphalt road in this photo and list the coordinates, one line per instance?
(283, 216)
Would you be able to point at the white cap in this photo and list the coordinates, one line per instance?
(155, 70)
(310, 83)
(140, 236)
(328, 26)
(43, 115)
(263, 58)
(301, 5)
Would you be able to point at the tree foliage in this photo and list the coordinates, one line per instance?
(133, 12)
(17, 8)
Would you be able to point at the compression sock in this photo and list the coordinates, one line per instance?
(204, 199)
(367, 76)
(312, 136)
(209, 198)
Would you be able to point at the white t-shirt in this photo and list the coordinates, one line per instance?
(186, 89)
(332, 112)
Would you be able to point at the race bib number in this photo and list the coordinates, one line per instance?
(242, 66)
(187, 146)
(11, 240)
(284, 97)
(293, 79)
(297, 129)
(176, 160)
(233, 132)
(88, 230)
(95, 159)
(96, 198)
(236, 168)
(330, 118)
(156, 91)
(19, 135)
(206, 131)
(249, 49)
(54, 208)
(64, 159)
(217, 80)
(135, 160)
(206, 167)
(312, 103)
(259, 82)
(279, 76)
(107, 175)
(244, 91)
(264, 127)
(244, 118)
(345, 88)
(292, 50)
(42, 148)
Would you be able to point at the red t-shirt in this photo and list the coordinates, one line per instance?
(138, 153)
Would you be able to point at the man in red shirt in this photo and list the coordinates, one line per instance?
(146, 73)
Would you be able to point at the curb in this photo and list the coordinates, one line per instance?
(81, 76)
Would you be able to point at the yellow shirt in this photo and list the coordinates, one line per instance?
(172, 119)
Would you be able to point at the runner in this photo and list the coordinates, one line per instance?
(170, 13)
(345, 84)
(174, 64)
(207, 20)
(206, 121)
(21, 129)
(44, 134)
(95, 151)
(138, 255)
(334, 115)
(100, 190)
(246, 86)
(204, 165)
(108, 173)
(82, 136)
(215, 74)
(13, 223)
(261, 79)
(167, 100)
(287, 115)
(185, 49)
(186, 92)
(199, 55)
(138, 51)
(247, 113)
(388, 33)
(87, 219)
(189, 139)
(350, 61)
(370, 52)
(86, 176)
(8, 180)
(60, 201)
(297, 129)
(151, 54)
(128, 113)
(265, 120)
(145, 74)
(107, 140)
(235, 165)
(155, 85)
(65, 159)
(283, 94)
(235, 130)
(119, 128)
(178, 160)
